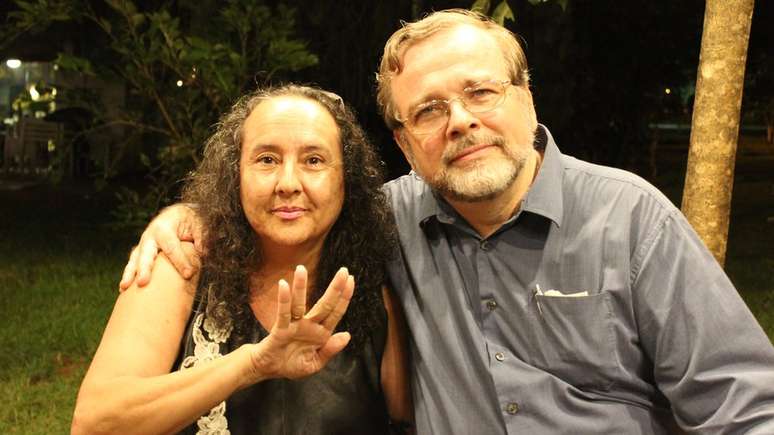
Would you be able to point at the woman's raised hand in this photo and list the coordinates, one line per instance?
(301, 343)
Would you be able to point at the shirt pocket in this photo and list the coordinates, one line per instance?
(577, 340)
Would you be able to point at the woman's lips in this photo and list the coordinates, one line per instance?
(288, 213)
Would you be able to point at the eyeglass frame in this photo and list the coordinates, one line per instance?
(448, 102)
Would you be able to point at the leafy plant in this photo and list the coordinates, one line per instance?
(181, 68)
(500, 13)
(503, 12)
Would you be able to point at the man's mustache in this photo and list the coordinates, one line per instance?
(471, 140)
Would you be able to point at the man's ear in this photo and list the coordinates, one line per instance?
(400, 138)
(526, 95)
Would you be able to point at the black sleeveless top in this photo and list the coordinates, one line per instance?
(345, 397)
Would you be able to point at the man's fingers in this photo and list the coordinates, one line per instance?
(198, 237)
(173, 249)
(190, 227)
(147, 255)
(129, 271)
(333, 319)
(298, 307)
(335, 344)
(185, 232)
(178, 258)
(283, 305)
(326, 304)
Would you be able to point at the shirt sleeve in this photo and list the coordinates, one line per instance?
(710, 357)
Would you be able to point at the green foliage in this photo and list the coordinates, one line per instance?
(74, 63)
(481, 6)
(31, 17)
(562, 3)
(501, 12)
(180, 71)
(134, 210)
(504, 12)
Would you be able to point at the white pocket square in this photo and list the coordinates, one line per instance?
(557, 293)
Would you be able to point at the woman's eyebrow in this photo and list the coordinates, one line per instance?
(255, 148)
(315, 148)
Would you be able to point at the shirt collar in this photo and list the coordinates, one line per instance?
(544, 196)
(429, 203)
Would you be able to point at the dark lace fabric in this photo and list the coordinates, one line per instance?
(344, 398)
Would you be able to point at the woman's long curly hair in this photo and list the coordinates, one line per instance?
(362, 238)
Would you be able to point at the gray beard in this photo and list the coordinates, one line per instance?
(482, 182)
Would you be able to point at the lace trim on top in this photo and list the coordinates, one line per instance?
(213, 423)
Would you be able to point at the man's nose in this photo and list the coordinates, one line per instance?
(461, 120)
(288, 180)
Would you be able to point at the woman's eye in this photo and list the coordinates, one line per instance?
(314, 161)
(267, 160)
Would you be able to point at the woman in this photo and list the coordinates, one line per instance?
(288, 192)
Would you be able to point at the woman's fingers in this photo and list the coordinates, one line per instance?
(335, 344)
(295, 335)
(327, 303)
(283, 305)
(298, 307)
(335, 316)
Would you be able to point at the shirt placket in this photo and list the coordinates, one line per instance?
(501, 359)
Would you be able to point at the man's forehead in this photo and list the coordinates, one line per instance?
(456, 36)
(466, 32)
(448, 61)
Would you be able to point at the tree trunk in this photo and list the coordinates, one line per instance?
(715, 126)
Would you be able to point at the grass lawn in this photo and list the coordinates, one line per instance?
(60, 265)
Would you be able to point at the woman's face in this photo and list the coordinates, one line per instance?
(291, 172)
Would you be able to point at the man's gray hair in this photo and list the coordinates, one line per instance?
(412, 33)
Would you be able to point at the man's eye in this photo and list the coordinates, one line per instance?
(314, 161)
(480, 93)
(428, 111)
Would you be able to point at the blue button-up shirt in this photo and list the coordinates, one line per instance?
(652, 333)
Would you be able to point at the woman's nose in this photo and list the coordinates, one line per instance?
(288, 179)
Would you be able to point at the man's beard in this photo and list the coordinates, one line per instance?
(478, 181)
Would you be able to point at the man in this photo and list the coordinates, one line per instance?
(544, 294)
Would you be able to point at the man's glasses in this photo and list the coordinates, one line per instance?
(430, 116)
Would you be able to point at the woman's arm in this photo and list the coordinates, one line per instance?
(128, 388)
(395, 365)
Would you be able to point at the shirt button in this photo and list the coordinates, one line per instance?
(512, 408)
(485, 245)
(499, 356)
(491, 304)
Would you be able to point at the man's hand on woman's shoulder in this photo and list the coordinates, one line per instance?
(175, 224)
